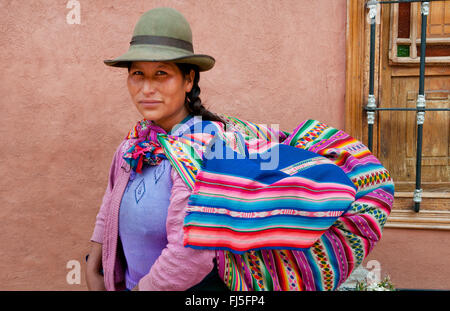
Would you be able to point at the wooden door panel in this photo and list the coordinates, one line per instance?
(398, 140)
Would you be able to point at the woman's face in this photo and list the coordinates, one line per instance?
(158, 89)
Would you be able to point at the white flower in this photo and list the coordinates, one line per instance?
(376, 287)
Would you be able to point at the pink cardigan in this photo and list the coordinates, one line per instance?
(177, 268)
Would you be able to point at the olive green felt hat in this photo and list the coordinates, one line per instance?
(162, 34)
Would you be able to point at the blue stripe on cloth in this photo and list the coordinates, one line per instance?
(314, 269)
(299, 203)
(331, 255)
(243, 224)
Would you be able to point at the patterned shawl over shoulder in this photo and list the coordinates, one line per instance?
(284, 211)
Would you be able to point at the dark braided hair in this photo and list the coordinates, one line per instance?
(192, 101)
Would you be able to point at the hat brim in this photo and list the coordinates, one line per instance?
(155, 53)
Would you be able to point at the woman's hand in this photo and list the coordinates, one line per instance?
(95, 281)
(94, 278)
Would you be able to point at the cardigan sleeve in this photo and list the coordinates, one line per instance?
(177, 268)
(97, 235)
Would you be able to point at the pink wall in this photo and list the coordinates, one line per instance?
(63, 111)
(414, 259)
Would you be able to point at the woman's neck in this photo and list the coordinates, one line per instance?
(168, 123)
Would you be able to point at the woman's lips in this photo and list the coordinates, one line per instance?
(149, 103)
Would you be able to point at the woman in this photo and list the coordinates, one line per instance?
(177, 215)
(168, 94)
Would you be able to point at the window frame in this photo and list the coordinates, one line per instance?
(414, 37)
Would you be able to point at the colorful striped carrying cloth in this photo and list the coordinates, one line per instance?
(283, 211)
(238, 206)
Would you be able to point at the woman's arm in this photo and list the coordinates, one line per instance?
(97, 235)
(94, 277)
(177, 268)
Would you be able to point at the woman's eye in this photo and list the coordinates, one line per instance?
(140, 73)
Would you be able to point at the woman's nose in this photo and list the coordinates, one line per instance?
(148, 87)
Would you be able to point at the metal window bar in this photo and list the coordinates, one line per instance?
(371, 107)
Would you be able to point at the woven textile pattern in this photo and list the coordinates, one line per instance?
(237, 206)
(341, 239)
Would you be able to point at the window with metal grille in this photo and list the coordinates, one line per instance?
(406, 19)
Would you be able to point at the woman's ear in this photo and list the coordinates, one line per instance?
(190, 81)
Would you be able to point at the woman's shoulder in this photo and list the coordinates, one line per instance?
(124, 145)
(120, 151)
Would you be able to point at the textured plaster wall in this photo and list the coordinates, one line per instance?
(413, 259)
(63, 112)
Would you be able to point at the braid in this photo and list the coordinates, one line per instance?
(193, 102)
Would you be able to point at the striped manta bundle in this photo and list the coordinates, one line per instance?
(304, 224)
(238, 206)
